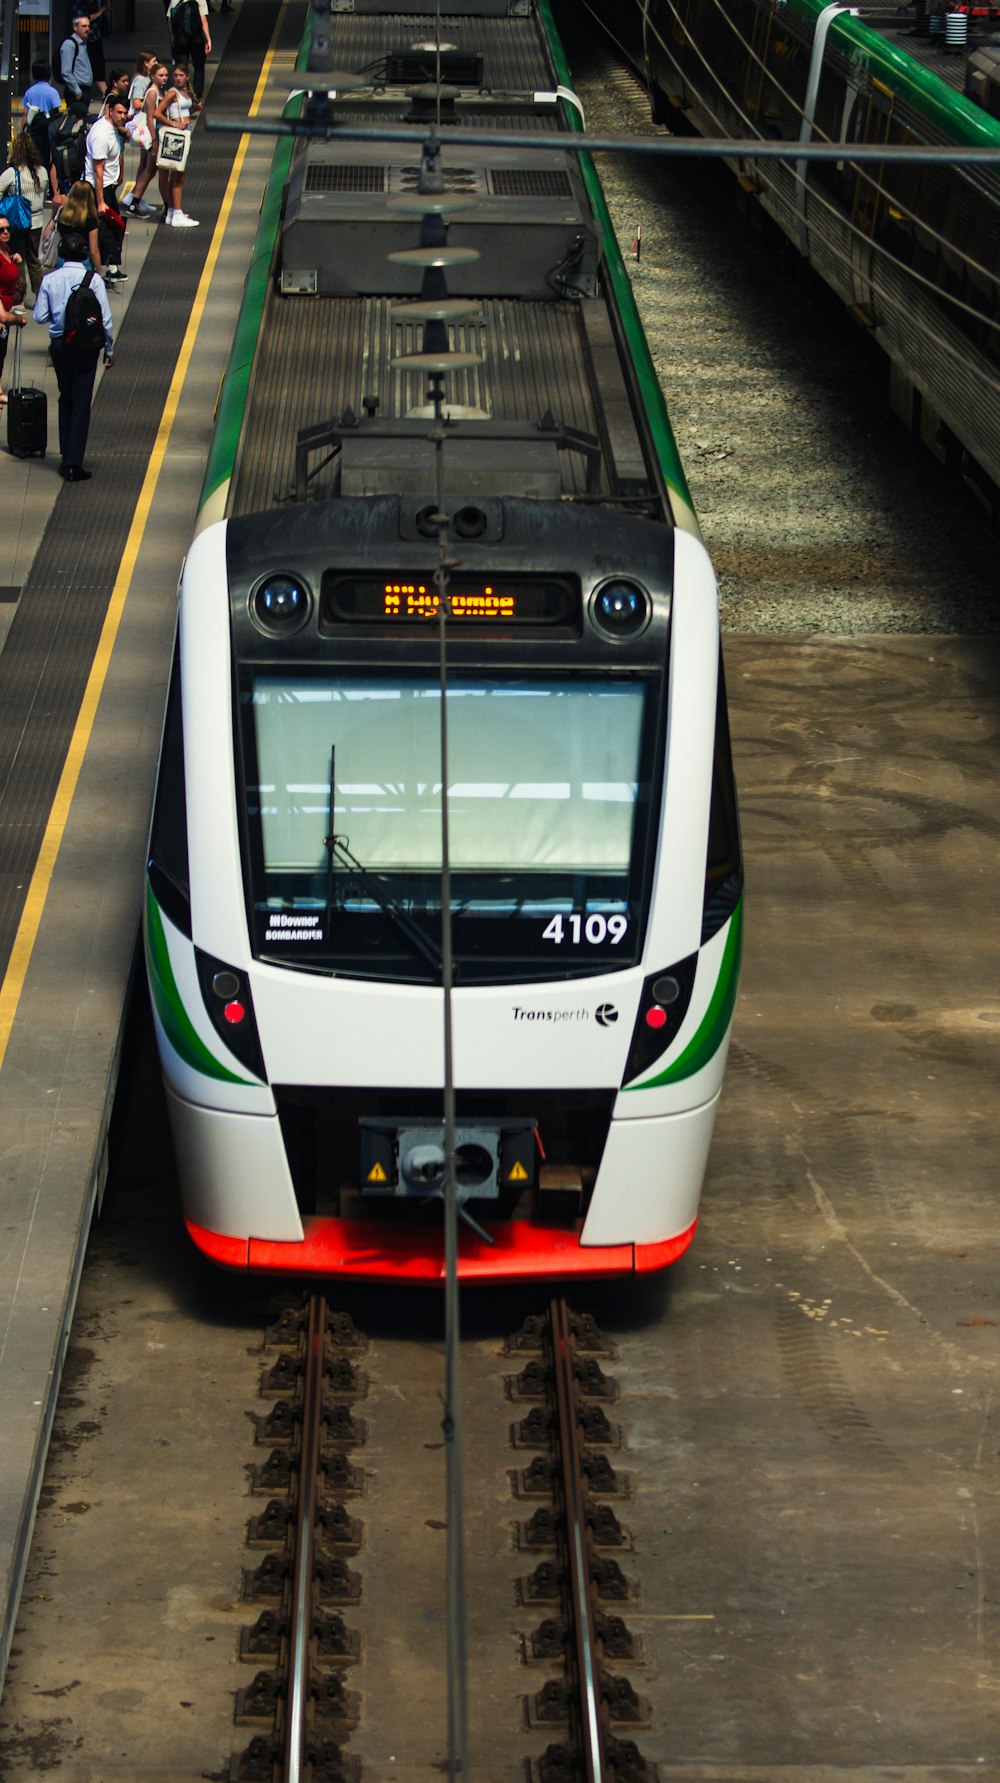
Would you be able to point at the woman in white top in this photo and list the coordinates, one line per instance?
(141, 83)
(174, 111)
(26, 176)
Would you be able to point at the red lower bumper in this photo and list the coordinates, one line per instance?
(381, 1252)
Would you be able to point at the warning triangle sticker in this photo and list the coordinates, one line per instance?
(518, 1174)
(376, 1173)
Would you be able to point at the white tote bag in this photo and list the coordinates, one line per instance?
(173, 148)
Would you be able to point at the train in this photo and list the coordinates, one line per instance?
(911, 251)
(423, 324)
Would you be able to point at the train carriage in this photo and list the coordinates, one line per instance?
(294, 893)
(911, 250)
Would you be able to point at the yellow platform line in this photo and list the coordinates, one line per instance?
(38, 891)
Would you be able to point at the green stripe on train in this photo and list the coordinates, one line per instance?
(236, 384)
(649, 384)
(711, 1030)
(174, 1018)
(955, 116)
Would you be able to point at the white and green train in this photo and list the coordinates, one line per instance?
(294, 898)
(909, 248)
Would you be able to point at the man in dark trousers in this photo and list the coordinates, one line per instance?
(102, 169)
(75, 371)
(75, 73)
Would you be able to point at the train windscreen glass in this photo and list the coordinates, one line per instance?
(547, 799)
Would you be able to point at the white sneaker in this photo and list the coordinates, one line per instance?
(181, 220)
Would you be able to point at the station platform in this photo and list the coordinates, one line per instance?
(88, 578)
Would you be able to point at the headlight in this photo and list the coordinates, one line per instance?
(280, 605)
(620, 609)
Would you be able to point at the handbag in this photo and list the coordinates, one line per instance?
(137, 130)
(15, 207)
(173, 149)
(48, 247)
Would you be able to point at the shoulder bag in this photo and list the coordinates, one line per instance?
(15, 207)
(173, 149)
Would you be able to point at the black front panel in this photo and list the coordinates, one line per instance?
(557, 654)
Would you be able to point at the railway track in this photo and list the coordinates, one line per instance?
(300, 1706)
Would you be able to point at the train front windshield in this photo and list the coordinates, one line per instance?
(548, 802)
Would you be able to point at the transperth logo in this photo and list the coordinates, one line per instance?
(605, 1015)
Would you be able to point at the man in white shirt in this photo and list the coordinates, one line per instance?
(102, 169)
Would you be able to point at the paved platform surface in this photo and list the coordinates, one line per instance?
(61, 1017)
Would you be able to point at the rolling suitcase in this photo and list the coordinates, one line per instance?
(27, 413)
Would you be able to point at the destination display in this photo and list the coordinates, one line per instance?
(505, 600)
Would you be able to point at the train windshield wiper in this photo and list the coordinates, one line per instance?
(337, 848)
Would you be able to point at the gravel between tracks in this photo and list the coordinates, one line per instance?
(819, 510)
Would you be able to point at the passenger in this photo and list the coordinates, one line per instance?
(75, 73)
(159, 77)
(77, 215)
(26, 176)
(11, 274)
(140, 121)
(190, 39)
(174, 109)
(41, 102)
(119, 81)
(67, 149)
(75, 369)
(95, 48)
(103, 170)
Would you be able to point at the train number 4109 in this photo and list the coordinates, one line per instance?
(594, 929)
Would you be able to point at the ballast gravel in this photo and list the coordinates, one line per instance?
(820, 511)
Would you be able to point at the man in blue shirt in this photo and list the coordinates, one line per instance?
(75, 72)
(41, 95)
(41, 102)
(75, 374)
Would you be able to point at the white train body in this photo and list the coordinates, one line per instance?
(596, 895)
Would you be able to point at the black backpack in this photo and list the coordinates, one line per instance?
(68, 147)
(83, 324)
(186, 21)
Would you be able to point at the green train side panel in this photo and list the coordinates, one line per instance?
(662, 433)
(714, 1024)
(956, 117)
(236, 384)
(174, 1018)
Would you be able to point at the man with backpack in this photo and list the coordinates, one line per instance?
(187, 22)
(75, 305)
(75, 73)
(67, 148)
(41, 103)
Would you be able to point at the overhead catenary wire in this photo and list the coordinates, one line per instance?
(678, 148)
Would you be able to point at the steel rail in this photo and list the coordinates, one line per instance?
(584, 1636)
(301, 1621)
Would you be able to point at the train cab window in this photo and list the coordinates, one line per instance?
(168, 846)
(548, 813)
